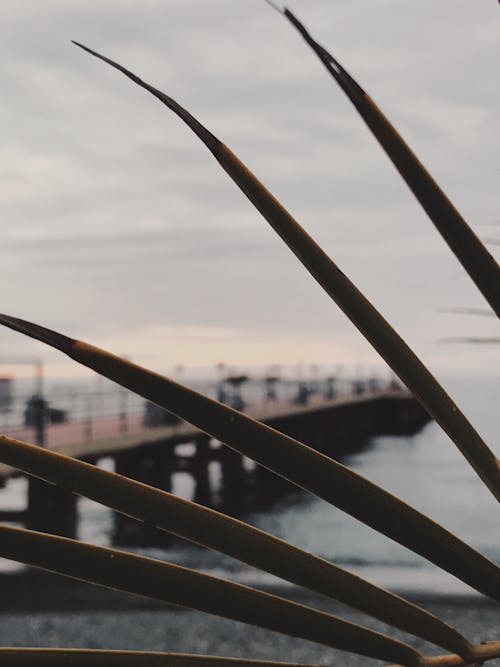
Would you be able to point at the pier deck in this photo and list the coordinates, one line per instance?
(151, 454)
(107, 436)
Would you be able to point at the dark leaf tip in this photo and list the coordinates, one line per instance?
(275, 6)
(207, 137)
(342, 76)
(37, 332)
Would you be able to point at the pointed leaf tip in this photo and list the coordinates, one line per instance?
(275, 6)
(114, 64)
(37, 332)
(350, 86)
(85, 48)
(210, 141)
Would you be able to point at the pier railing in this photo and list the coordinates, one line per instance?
(75, 415)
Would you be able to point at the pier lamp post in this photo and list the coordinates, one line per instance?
(38, 403)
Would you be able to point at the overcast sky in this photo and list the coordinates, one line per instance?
(121, 229)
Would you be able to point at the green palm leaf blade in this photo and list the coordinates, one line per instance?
(466, 246)
(47, 657)
(360, 311)
(289, 458)
(185, 587)
(235, 538)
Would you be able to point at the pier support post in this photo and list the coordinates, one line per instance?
(153, 467)
(269, 487)
(200, 471)
(51, 509)
(233, 483)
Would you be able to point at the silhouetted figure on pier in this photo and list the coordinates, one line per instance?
(270, 383)
(232, 388)
(331, 389)
(156, 416)
(303, 392)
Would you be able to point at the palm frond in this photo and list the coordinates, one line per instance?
(47, 657)
(466, 246)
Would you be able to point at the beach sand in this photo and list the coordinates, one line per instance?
(44, 610)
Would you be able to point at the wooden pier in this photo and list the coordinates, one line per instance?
(334, 426)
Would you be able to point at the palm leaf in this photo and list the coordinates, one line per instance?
(47, 657)
(482, 652)
(473, 255)
(359, 310)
